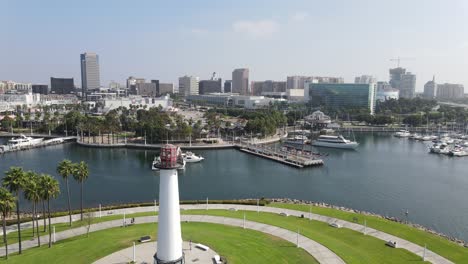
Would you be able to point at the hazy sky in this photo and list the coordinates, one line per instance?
(167, 39)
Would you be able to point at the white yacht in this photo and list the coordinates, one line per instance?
(458, 152)
(335, 142)
(402, 134)
(190, 157)
(299, 139)
(23, 141)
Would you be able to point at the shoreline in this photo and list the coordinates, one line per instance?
(459, 241)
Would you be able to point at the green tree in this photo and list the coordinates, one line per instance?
(51, 189)
(80, 174)
(7, 203)
(65, 169)
(14, 181)
(32, 193)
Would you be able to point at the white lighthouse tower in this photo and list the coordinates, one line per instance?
(169, 248)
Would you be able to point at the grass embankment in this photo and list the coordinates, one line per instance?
(351, 246)
(439, 245)
(236, 244)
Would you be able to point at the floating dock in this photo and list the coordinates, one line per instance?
(296, 161)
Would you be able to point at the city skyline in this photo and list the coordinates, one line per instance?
(294, 38)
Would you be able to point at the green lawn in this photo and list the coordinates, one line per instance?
(26, 234)
(440, 245)
(351, 246)
(236, 244)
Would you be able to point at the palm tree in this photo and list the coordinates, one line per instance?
(65, 169)
(32, 193)
(51, 190)
(14, 181)
(80, 174)
(7, 203)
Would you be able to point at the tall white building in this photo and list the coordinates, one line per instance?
(188, 85)
(90, 75)
(365, 79)
(299, 82)
(240, 81)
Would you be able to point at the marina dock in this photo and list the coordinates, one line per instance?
(293, 160)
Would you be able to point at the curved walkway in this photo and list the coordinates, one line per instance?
(402, 243)
(319, 252)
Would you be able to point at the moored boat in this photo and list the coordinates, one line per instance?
(334, 142)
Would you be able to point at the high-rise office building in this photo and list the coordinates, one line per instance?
(210, 86)
(240, 81)
(147, 89)
(40, 88)
(450, 91)
(365, 79)
(90, 76)
(298, 82)
(227, 86)
(132, 84)
(188, 85)
(403, 81)
(156, 82)
(62, 85)
(430, 89)
(343, 95)
(258, 88)
(166, 88)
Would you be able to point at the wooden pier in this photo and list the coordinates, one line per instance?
(297, 161)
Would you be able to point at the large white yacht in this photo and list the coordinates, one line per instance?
(335, 142)
(190, 157)
(23, 141)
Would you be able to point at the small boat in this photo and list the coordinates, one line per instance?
(415, 136)
(190, 157)
(458, 152)
(402, 134)
(334, 142)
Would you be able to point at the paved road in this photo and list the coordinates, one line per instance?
(319, 252)
(411, 247)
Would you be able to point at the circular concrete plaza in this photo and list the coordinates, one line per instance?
(144, 255)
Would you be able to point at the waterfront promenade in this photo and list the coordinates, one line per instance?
(411, 247)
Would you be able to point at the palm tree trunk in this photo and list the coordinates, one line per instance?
(33, 215)
(44, 215)
(69, 206)
(50, 233)
(37, 229)
(81, 200)
(5, 235)
(18, 223)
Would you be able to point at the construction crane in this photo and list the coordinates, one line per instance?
(398, 59)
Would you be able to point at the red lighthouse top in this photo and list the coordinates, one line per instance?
(170, 157)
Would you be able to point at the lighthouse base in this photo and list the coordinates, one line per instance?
(181, 260)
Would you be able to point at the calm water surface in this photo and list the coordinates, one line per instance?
(385, 175)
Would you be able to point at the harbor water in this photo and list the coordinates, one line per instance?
(385, 175)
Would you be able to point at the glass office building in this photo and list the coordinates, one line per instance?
(343, 95)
